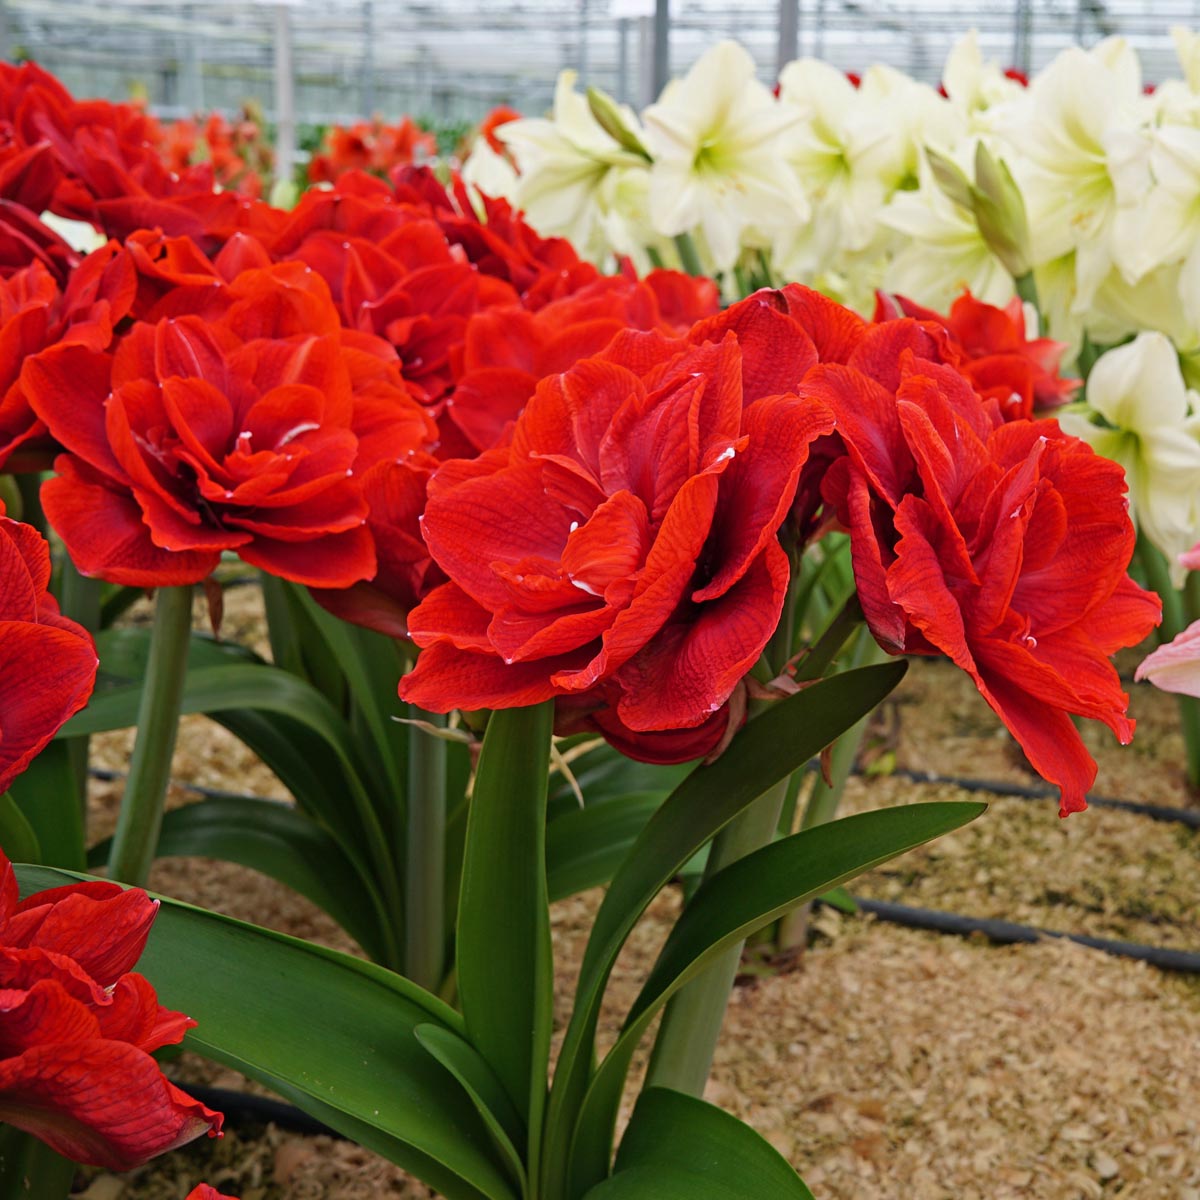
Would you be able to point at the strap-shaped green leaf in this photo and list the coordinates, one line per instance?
(332, 1034)
(585, 846)
(285, 844)
(234, 686)
(372, 664)
(679, 1148)
(735, 902)
(17, 838)
(45, 793)
(505, 971)
(766, 750)
(487, 1093)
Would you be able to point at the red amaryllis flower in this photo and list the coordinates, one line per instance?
(395, 492)
(35, 314)
(204, 1191)
(47, 662)
(1002, 545)
(230, 433)
(1021, 374)
(622, 552)
(78, 1028)
(502, 114)
(507, 350)
(370, 146)
(498, 241)
(392, 273)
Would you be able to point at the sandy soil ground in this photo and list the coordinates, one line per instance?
(888, 1063)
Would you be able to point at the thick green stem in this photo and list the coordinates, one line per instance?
(1027, 289)
(1191, 597)
(1178, 607)
(30, 1170)
(140, 818)
(689, 256)
(691, 1025)
(79, 599)
(425, 856)
(30, 487)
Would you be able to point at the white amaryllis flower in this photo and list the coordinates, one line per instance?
(943, 250)
(844, 158)
(1077, 127)
(718, 140)
(563, 163)
(489, 172)
(1152, 428)
(973, 85)
(1163, 226)
(1175, 667)
(915, 116)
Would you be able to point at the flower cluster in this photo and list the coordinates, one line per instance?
(104, 164)
(622, 552)
(238, 151)
(372, 146)
(858, 183)
(284, 386)
(80, 1027)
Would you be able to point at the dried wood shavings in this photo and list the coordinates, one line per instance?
(893, 1063)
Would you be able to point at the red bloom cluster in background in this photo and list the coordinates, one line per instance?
(238, 151)
(994, 353)
(80, 1027)
(47, 662)
(372, 146)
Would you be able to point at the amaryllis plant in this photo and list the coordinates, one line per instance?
(624, 562)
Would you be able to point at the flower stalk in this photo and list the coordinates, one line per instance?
(79, 599)
(425, 856)
(140, 819)
(691, 1024)
(29, 1168)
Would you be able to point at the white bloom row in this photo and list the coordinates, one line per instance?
(1093, 185)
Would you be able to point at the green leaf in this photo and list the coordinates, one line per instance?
(332, 1034)
(770, 747)
(372, 665)
(679, 1148)
(212, 689)
(487, 1093)
(585, 846)
(286, 845)
(262, 688)
(505, 971)
(17, 838)
(45, 793)
(840, 899)
(732, 904)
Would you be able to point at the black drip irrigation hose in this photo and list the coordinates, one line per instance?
(1156, 812)
(1007, 933)
(242, 1109)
